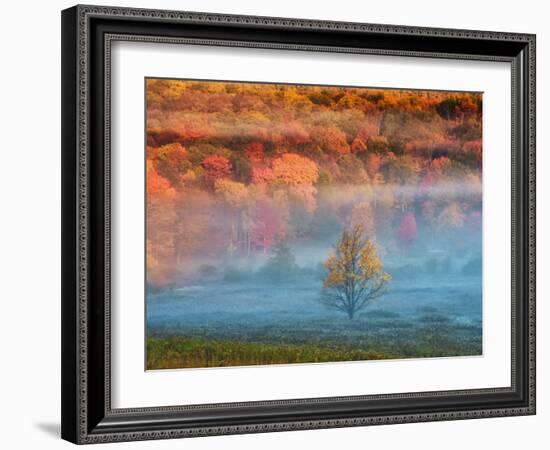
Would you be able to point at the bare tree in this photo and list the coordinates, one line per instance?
(354, 274)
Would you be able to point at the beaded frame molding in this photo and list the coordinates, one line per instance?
(87, 35)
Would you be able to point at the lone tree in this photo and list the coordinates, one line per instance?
(354, 274)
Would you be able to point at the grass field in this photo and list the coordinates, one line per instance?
(172, 352)
(231, 324)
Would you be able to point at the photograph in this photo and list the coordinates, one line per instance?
(293, 223)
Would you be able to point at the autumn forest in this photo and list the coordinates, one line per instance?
(300, 223)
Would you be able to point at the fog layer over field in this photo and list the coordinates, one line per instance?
(433, 301)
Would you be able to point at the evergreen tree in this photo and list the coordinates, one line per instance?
(281, 264)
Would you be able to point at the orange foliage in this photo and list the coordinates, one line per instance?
(233, 166)
(331, 139)
(294, 170)
(156, 184)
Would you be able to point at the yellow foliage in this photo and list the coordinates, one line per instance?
(233, 192)
(354, 259)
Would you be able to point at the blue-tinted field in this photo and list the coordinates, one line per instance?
(433, 308)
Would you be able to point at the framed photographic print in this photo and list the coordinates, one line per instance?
(281, 224)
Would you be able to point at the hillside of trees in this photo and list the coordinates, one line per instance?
(234, 169)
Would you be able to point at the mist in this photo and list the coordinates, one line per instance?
(435, 287)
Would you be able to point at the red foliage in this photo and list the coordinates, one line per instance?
(262, 175)
(231, 166)
(266, 226)
(255, 152)
(216, 167)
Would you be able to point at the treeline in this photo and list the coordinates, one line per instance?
(233, 167)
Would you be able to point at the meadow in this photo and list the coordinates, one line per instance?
(226, 324)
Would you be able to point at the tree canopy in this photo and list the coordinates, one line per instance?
(232, 166)
(354, 274)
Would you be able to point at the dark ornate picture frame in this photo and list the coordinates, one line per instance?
(87, 34)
